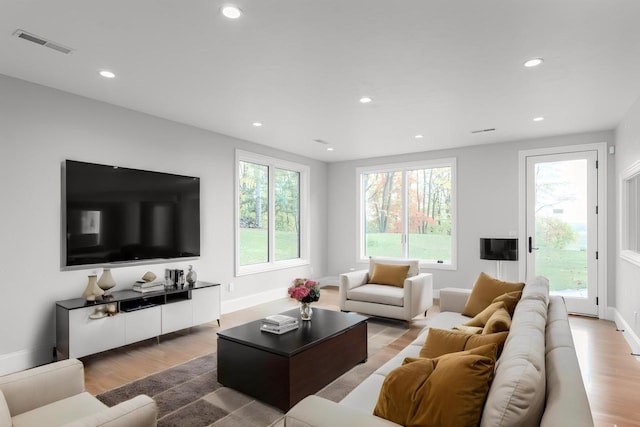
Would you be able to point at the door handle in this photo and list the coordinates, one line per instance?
(531, 248)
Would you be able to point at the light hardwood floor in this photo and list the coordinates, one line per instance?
(611, 375)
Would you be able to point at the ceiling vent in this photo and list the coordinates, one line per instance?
(42, 42)
(321, 141)
(483, 130)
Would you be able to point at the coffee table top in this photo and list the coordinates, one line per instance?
(324, 325)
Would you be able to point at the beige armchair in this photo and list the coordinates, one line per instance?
(54, 395)
(397, 302)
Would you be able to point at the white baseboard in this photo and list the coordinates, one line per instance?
(629, 334)
(25, 359)
(228, 306)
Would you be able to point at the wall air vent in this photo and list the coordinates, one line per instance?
(42, 42)
(483, 130)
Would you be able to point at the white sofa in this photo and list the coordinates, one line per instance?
(537, 378)
(54, 395)
(403, 303)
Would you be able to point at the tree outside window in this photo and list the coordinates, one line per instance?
(271, 197)
(408, 211)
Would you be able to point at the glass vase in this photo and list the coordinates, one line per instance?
(305, 311)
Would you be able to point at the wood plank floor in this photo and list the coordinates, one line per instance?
(610, 373)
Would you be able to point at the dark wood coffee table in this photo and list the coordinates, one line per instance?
(283, 369)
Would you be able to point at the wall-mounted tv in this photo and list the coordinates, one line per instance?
(113, 215)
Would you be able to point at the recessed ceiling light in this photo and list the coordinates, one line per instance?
(257, 124)
(538, 119)
(419, 136)
(533, 62)
(231, 12)
(365, 100)
(330, 149)
(107, 74)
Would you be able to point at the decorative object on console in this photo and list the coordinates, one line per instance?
(149, 276)
(92, 291)
(106, 281)
(306, 291)
(192, 276)
(499, 249)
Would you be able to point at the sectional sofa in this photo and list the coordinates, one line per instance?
(537, 377)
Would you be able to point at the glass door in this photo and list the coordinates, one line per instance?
(562, 204)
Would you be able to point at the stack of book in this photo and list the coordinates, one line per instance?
(148, 287)
(279, 324)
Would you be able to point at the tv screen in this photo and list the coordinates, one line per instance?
(499, 249)
(114, 214)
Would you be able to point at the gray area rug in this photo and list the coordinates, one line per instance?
(190, 395)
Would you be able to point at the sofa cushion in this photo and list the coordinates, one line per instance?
(499, 321)
(510, 300)
(485, 290)
(440, 342)
(482, 318)
(389, 274)
(517, 395)
(61, 412)
(5, 415)
(379, 294)
(446, 391)
(414, 264)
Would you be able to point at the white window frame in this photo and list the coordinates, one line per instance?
(627, 224)
(403, 167)
(272, 163)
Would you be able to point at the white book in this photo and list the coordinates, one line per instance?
(279, 320)
(157, 288)
(279, 330)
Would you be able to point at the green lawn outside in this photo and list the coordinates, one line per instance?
(565, 269)
(254, 243)
(422, 246)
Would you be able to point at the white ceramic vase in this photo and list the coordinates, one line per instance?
(92, 291)
(106, 281)
(192, 276)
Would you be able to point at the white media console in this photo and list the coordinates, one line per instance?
(138, 316)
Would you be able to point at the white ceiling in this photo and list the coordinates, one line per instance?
(437, 68)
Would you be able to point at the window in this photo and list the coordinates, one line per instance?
(272, 202)
(408, 211)
(630, 211)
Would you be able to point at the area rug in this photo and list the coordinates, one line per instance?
(189, 395)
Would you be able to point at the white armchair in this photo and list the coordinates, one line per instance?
(404, 303)
(54, 395)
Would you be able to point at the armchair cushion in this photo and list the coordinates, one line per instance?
(60, 412)
(378, 294)
(414, 264)
(389, 274)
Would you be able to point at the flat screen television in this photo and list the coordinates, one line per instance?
(499, 249)
(113, 214)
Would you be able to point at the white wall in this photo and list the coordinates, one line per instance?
(487, 202)
(627, 274)
(41, 127)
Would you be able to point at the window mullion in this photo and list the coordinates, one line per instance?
(405, 215)
(272, 215)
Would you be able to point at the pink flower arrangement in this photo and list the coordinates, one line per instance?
(304, 290)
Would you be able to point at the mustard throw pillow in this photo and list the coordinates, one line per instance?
(479, 340)
(499, 321)
(469, 329)
(389, 274)
(510, 300)
(447, 392)
(441, 341)
(481, 318)
(485, 290)
(488, 350)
